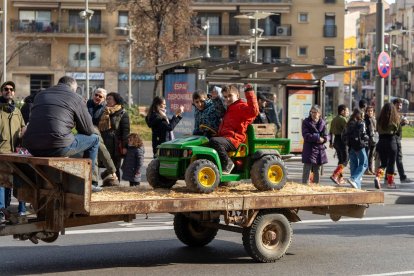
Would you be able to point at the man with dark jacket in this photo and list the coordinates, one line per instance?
(55, 112)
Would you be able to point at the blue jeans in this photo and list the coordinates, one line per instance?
(86, 145)
(5, 197)
(358, 165)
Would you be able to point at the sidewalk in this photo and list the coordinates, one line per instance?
(404, 194)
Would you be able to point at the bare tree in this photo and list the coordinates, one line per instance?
(163, 31)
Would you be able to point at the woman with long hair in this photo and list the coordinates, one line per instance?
(387, 126)
(356, 139)
(162, 127)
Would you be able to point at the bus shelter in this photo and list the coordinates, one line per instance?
(299, 86)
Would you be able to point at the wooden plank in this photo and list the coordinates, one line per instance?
(175, 205)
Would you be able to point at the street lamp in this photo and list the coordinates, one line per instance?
(206, 27)
(250, 41)
(130, 41)
(4, 40)
(87, 15)
(256, 16)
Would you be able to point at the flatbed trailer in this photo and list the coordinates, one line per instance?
(59, 190)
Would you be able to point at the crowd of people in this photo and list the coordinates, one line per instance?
(45, 128)
(358, 140)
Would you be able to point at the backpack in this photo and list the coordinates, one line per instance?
(353, 137)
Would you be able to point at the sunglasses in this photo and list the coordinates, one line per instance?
(98, 96)
(8, 89)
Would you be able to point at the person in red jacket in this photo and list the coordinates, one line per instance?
(232, 130)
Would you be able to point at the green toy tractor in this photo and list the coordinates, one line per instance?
(190, 158)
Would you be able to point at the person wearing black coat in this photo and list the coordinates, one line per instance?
(162, 127)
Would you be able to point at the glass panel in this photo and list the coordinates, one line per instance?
(77, 55)
(122, 19)
(123, 57)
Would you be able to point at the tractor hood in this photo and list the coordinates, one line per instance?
(185, 142)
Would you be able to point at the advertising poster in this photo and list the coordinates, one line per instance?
(300, 102)
(178, 90)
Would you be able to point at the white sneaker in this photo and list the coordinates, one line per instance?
(352, 182)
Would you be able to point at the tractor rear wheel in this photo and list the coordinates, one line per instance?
(192, 232)
(269, 173)
(202, 176)
(154, 178)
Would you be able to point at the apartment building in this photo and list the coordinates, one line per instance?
(299, 31)
(51, 37)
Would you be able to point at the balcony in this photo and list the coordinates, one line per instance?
(329, 60)
(330, 1)
(283, 30)
(36, 27)
(269, 30)
(244, 1)
(329, 30)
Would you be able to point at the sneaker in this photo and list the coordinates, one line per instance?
(229, 168)
(406, 180)
(353, 183)
(96, 189)
(377, 183)
(21, 214)
(2, 218)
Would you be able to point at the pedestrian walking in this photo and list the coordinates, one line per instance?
(335, 141)
(315, 136)
(356, 138)
(371, 126)
(388, 125)
(403, 122)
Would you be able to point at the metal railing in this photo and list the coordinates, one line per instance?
(329, 60)
(33, 26)
(329, 30)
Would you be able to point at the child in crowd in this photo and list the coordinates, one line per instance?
(133, 161)
(217, 97)
(205, 114)
(232, 130)
(314, 151)
(337, 127)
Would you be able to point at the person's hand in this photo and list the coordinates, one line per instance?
(179, 111)
(405, 121)
(124, 151)
(321, 140)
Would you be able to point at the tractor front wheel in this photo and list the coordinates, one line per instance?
(269, 173)
(154, 178)
(202, 176)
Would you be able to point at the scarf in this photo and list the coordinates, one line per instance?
(105, 121)
(163, 113)
(7, 106)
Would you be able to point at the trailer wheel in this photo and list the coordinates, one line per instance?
(202, 176)
(191, 232)
(269, 173)
(268, 238)
(154, 178)
(51, 237)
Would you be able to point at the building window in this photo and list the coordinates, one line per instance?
(268, 54)
(77, 55)
(329, 29)
(77, 24)
(329, 58)
(35, 54)
(233, 51)
(303, 17)
(34, 21)
(302, 51)
(122, 19)
(214, 20)
(123, 56)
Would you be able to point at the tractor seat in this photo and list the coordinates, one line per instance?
(240, 152)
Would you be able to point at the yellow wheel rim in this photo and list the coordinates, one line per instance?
(275, 174)
(207, 177)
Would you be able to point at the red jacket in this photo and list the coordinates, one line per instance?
(237, 118)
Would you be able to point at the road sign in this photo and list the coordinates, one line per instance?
(384, 64)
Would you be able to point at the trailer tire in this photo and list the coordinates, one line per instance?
(268, 238)
(269, 173)
(52, 236)
(191, 232)
(202, 176)
(155, 180)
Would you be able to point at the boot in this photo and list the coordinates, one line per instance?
(311, 178)
(390, 181)
(111, 180)
(378, 175)
(337, 175)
